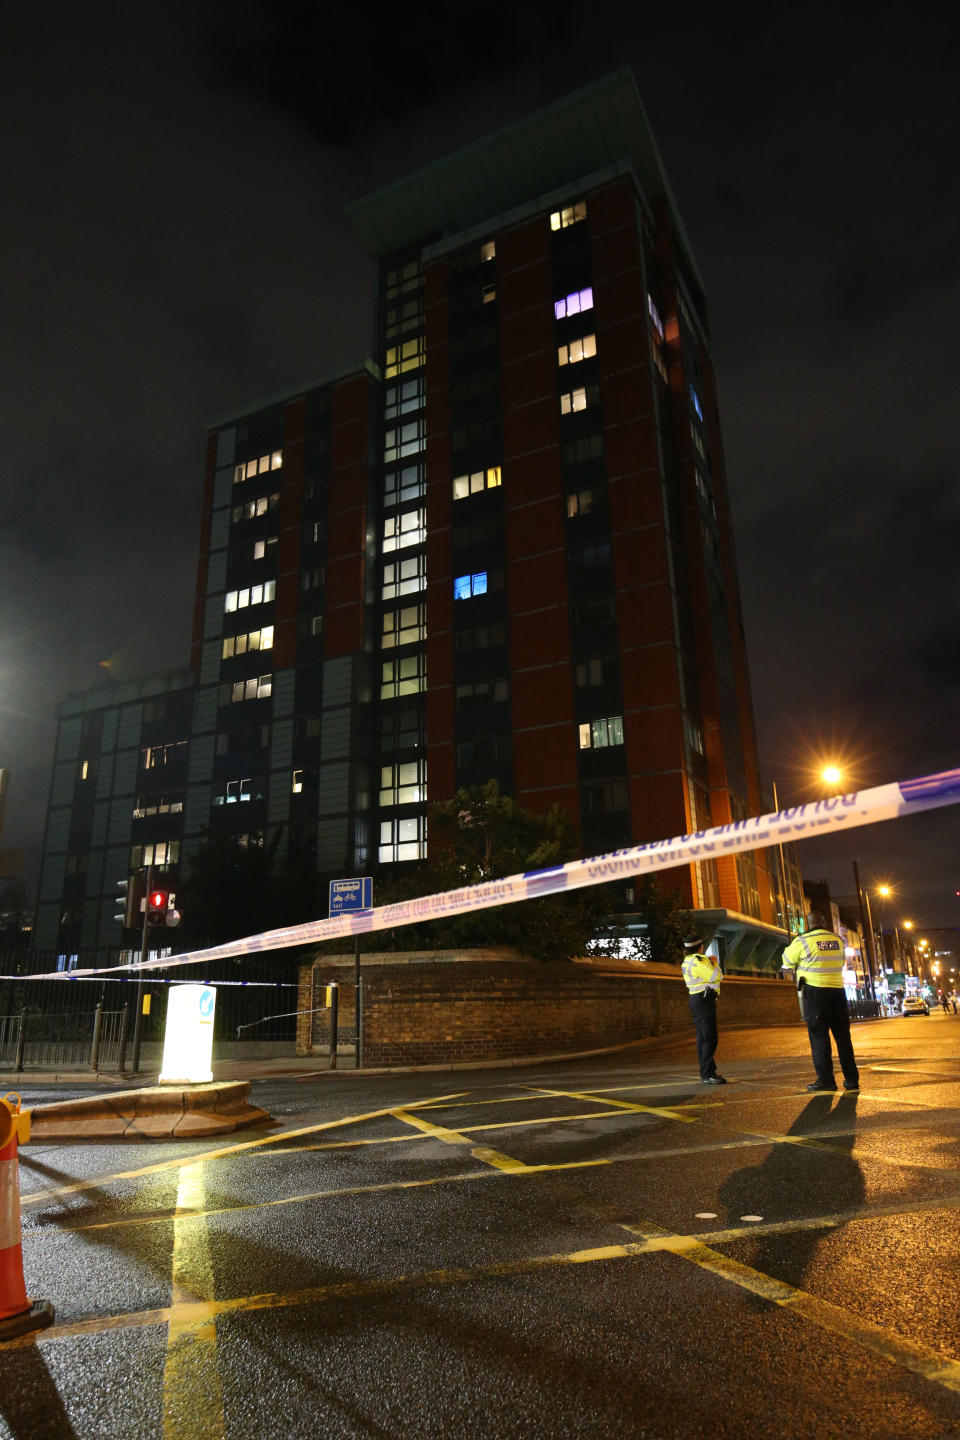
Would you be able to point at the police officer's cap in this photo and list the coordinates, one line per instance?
(692, 942)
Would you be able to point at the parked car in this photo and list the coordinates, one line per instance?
(915, 1005)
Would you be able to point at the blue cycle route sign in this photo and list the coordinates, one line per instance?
(348, 897)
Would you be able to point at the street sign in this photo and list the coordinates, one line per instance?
(347, 897)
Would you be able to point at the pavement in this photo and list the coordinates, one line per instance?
(266, 1068)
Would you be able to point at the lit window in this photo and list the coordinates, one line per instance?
(405, 440)
(584, 502)
(488, 251)
(695, 402)
(569, 215)
(263, 463)
(599, 734)
(401, 399)
(401, 486)
(655, 316)
(296, 783)
(574, 303)
(404, 676)
(402, 358)
(478, 480)
(403, 784)
(408, 528)
(164, 852)
(583, 349)
(466, 586)
(262, 547)
(403, 840)
(405, 577)
(84, 770)
(255, 595)
(404, 627)
(253, 640)
(573, 400)
(256, 687)
(661, 367)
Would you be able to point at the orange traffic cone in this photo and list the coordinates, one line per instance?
(17, 1314)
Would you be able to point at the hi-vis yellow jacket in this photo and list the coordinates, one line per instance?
(817, 958)
(701, 973)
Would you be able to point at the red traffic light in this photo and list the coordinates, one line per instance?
(157, 902)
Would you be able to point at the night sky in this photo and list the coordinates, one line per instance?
(174, 247)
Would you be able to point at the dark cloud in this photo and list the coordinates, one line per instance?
(174, 247)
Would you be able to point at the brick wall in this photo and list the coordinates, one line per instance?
(452, 1008)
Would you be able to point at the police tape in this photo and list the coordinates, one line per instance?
(800, 822)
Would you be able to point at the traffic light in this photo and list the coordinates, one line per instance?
(124, 896)
(157, 902)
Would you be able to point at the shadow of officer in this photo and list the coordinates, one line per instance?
(809, 1169)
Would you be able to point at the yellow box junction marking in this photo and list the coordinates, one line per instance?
(192, 1394)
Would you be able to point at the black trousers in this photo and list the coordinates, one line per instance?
(703, 1008)
(826, 1014)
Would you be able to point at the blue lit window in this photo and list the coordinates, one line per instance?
(466, 586)
(695, 402)
(574, 303)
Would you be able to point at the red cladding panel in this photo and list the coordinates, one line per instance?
(346, 526)
(544, 758)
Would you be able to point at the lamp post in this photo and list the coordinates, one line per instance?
(783, 868)
(866, 925)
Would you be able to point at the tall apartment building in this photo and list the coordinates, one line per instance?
(500, 549)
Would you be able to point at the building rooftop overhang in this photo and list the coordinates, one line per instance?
(575, 136)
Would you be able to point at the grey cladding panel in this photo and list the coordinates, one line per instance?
(226, 445)
(98, 830)
(111, 719)
(334, 789)
(213, 617)
(217, 572)
(219, 529)
(68, 738)
(222, 486)
(58, 830)
(338, 681)
(284, 685)
(201, 760)
(64, 779)
(125, 772)
(333, 843)
(128, 731)
(121, 822)
(204, 713)
(196, 811)
(210, 658)
(336, 733)
(281, 746)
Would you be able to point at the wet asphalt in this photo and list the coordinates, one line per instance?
(595, 1248)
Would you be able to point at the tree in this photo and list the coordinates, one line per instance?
(482, 835)
(665, 922)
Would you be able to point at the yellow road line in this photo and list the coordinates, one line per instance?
(920, 1359)
(634, 1106)
(192, 1394)
(32, 1197)
(436, 1132)
(453, 1137)
(501, 1162)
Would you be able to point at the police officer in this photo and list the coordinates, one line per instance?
(816, 959)
(702, 978)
